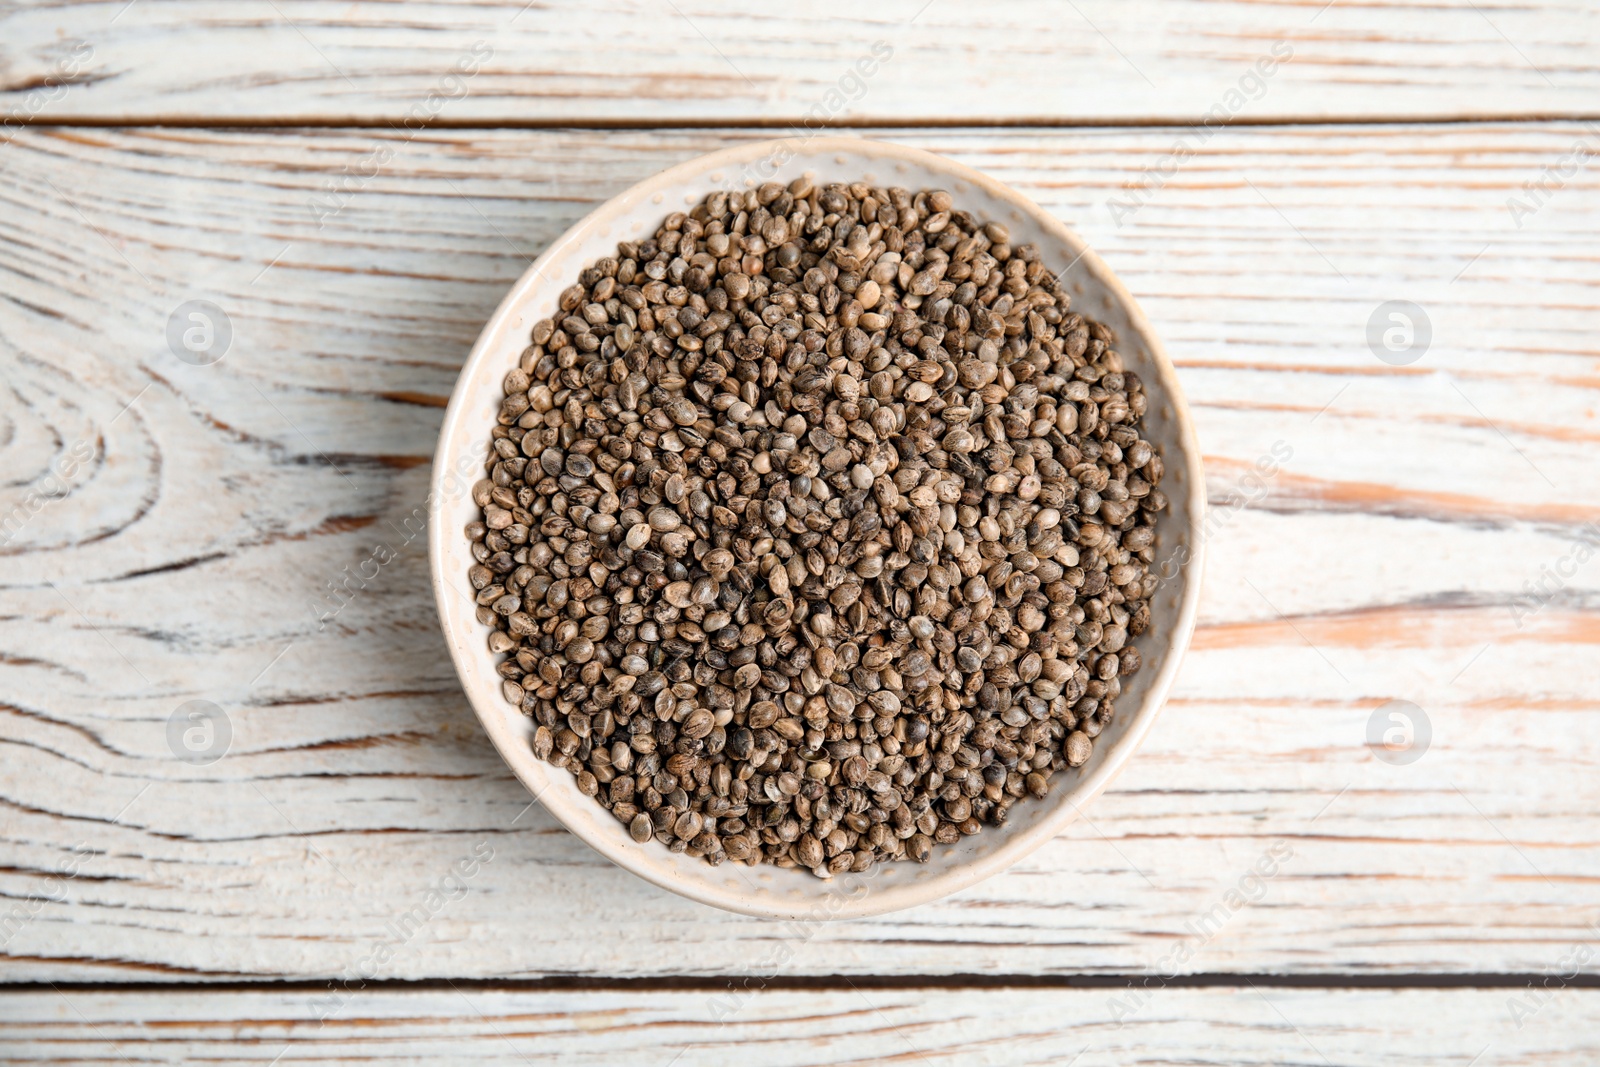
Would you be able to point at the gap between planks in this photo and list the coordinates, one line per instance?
(835, 983)
(1040, 122)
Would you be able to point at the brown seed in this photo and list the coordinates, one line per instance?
(699, 724)
(687, 825)
(920, 848)
(808, 850)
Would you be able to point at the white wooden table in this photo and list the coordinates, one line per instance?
(356, 185)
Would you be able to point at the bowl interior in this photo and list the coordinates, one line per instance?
(766, 890)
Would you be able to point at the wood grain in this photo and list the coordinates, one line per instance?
(1383, 562)
(695, 61)
(1174, 1027)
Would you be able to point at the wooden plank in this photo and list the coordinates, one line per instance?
(1091, 1027)
(816, 62)
(184, 562)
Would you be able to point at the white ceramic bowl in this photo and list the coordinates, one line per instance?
(766, 890)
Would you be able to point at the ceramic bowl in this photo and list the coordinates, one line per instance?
(766, 890)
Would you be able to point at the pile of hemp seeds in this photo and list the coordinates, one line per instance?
(816, 528)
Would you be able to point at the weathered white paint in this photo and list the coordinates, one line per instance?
(807, 63)
(183, 563)
(1172, 1027)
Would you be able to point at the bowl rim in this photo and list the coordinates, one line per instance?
(535, 775)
